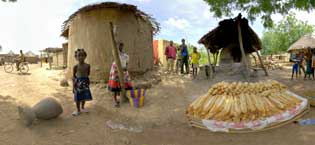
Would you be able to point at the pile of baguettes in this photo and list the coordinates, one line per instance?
(243, 101)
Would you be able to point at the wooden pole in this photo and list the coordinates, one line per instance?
(209, 61)
(261, 62)
(118, 63)
(241, 46)
(41, 59)
(215, 60)
(57, 59)
(49, 60)
(254, 59)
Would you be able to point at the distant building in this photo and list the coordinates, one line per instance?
(159, 49)
(55, 57)
(31, 57)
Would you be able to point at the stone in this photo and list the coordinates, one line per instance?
(64, 83)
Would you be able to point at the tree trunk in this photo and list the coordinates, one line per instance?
(210, 66)
(240, 39)
(41, 61)
(261, 62)
(118, 63)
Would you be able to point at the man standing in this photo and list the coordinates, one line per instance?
(300, 58)
(178, 60)
(170, 53)
(185, 57)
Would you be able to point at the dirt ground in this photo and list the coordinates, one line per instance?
(161, 121)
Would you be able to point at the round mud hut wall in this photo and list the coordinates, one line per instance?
(90, 30)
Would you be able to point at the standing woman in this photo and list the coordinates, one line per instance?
(313, 62)
(113, 83)
(309, 69)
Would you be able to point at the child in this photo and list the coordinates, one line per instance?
(195, 57)
(295, 69)
(113, 83)
(81, 82)
(309, 69)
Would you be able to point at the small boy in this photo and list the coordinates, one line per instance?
(295, 69)
(195, 57)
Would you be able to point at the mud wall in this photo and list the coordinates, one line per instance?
(90, 31)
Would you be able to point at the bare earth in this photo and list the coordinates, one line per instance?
(161, 121)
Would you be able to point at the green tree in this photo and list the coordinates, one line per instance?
(203, 53)
(279, 38)
(9, 0)
(258, 8)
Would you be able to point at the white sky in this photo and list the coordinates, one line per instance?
(36, 24)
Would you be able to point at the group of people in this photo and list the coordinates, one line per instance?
(81, 82)
(180, 56)
(298, 59)
(81, 72)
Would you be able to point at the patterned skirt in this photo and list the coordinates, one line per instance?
(81, 89)
(114, 84)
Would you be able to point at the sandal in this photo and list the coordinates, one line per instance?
(75, 113)
(85, 111)
(117, 105)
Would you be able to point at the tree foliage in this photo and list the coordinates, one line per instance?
(279, 38)
(9, 0)
(259, 8)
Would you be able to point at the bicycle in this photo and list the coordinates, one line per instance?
(23, 67)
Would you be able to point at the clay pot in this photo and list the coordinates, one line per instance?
(48, 108)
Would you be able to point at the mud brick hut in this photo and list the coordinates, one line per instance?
(159, 47)
(89, 28)
(65, 54)
(55, 57)
(225, 38)
(31, 57)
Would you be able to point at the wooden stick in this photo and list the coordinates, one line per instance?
(209, 61)
(118, 63)
(241, 46)
(215, 60)
(49, 60)
(261, 62)
(41, 59)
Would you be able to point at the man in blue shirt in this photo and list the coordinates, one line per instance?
(185, 57)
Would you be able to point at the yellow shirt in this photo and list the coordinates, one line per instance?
(195, 57)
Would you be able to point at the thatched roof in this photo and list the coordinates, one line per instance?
(10, 52)
(121, 6)
(52, 50)
(303, 43)
(226, 36)
(30, 54)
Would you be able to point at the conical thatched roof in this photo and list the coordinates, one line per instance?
(121, 6)
(303, 43)
(30, 54)
(226, 36)
(11, 52)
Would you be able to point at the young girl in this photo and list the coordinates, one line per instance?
(113, 83)
(81, 82)
(195, 57)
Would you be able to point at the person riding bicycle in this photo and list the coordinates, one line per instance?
(19, 60)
